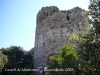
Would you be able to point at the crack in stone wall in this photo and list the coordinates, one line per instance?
(52, 31)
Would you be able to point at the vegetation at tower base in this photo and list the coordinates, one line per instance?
(65, 60)
(17, 59)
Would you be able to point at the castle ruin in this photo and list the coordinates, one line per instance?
(53, 27)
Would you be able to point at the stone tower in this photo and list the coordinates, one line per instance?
(53, 27)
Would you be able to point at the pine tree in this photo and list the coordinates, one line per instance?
(89, 44)
(94, 12)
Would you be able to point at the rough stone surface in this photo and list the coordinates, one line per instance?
(52, 31)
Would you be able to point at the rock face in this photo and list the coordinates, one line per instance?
(52, 31)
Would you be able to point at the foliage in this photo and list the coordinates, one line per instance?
(88, 47)
(28, 61)
(94, 12)
(88, 44)
(86, 13)
(65, 60)
(18, 59)
(3, 60)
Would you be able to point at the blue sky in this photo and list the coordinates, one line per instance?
(18, 19)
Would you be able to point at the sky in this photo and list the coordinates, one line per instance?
(18, 19)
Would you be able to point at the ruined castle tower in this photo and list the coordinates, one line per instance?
(53, 27)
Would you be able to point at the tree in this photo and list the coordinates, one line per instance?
(88, 44)
(94, 12)
(28, 61)
(65, 60)
(17, 58)
(92, 44)
(3, 60)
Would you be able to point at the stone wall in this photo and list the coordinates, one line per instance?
(52, 31)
